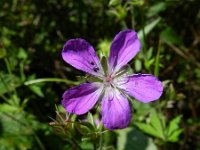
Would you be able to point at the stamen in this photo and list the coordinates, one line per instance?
(96, 69)
(92, 63)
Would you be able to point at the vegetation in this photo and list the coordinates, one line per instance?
(33, 75)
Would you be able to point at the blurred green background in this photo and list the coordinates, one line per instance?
(33, 75)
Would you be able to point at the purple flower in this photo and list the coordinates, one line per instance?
(115, 82)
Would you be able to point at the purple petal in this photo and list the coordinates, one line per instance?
(124, 47)
(143, 87)
(115, 109)
(82, 98)
(81, 55)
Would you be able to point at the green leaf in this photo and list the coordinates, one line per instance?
(8, 108)
(104, 47)
(22, 54)
(154, 126)
(2, 52)
(138, 65)
(149, 53)
(149, 63)
(120, 12)
(155, 9)
(86, 145)
(174, 136)
(133, 139)
(174, 125)
(169, 35)
(88, 125)
(148, 28)
(17, 130)
(114, 2)
(173, 130)
(157, 121)
(147, 128)
(136, 2)
(36, 89)
(90, 119)
(8, 83)
(83, 129)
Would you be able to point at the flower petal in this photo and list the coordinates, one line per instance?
(124, 47)
(82, 98)
(81, 55)
(143, 87)
(115, 109)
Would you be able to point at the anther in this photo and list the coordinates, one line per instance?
(96, 69)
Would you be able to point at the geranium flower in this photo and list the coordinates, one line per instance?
(115, 83)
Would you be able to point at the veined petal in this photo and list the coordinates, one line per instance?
(124, 47)
(115, 109)
(81, 55)
(143, 87)
(82, 98)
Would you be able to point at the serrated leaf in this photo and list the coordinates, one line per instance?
(173, 130)
(155, 125)
(173, 125)
(147, 128)
(157, 122)
(174, 136)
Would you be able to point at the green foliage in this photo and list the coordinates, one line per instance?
(114, 2)
(147, 29)
(131, 138)
(156, 126)
(33, 75)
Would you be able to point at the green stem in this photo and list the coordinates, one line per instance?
(4, 98)
(10, 73)
(124, 24)
(21, 65)
(132, 17)
(95, 145)
(101, 142)
(143, 32)
(8, 66)
(51, 80)
(73, 141)
(39, 142)
(156, 70)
